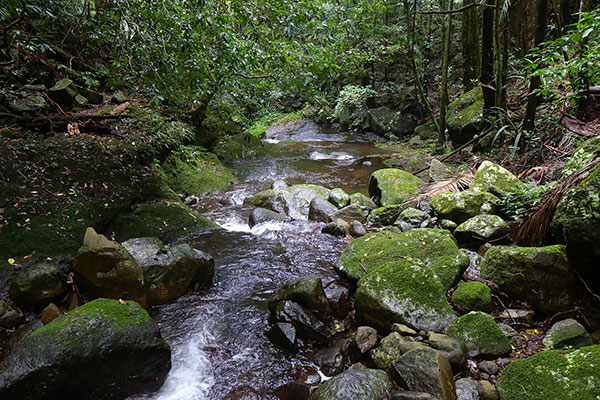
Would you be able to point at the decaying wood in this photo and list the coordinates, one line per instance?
(579, 127)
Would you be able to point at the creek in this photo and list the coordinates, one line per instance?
(217, 335)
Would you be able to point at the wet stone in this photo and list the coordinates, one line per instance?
(305, 322)
(329, 359)
(260, 215)
(357, 229)
(567, 333)
(321, 210)
(283, 334)
(409, 395)
(467, 389)
(50, 313)
(365, 338)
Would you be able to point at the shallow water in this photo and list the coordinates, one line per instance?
(217, 336)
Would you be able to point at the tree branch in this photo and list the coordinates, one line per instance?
(458, 10)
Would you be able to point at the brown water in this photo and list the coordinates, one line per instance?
(217, 336)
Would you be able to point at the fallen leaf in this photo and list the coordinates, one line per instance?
(123, 302)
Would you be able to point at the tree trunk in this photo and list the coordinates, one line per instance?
(444, 100)
(471, 31)
(487, 57)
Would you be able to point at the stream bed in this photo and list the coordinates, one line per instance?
(217, 335)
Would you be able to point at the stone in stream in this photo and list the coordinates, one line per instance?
(9, 316)
(243, 393)
(410, 395)
(304, 193)
(385, 216)
(393, 186)
(349, 213)
(453, 348)
(473, 296)
(337, 227)
(427, 370)
(362, 201)
(482, 228)
(413, 218)
(260, 215)
(365, 338)
(460, 206)
(103, 349)
(293, 391)
(338, 296)
(283, 334)
(170, 272)
(278, 200)
(481, 335)
(567, 333)
(279, 184)
(467, 389)
(305, 322)
(356, 384)
(553, 375)
(495, 179)
(388, 351)
(104, 268)
(436, 247)
(329, 359)
(357, 229)
(35, 286)
(406, 292)
(307, 292)
(321, 210)
(339, 198)
(542, 276)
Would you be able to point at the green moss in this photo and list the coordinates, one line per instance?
(237, 147)
(480, 333)
(386, 215)
(473, 296)
(258, 127)
(405, 291)
(466, 109)
(393, 186)
(495, 179)
(460, 206)
(553, 375)
(584, 154)
(195, 171)
(164, 221)
(564, 335)
(388, 351)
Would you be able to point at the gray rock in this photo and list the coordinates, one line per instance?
(350, 213)
(365, 338)
(339, 198)
(279, 184)
(338, 227)
(404, 330)
(363, 384)
(283, 334)
(363, 201)
(36, 286)
(389, 350)
(453, 348)
(481, 228)
(487, 391)
(307, 292)
(304, 321)
(339, 298)
(357, 229)
(567, 333)
(489, 367)
(260, 215)
(386, 215)
(467, 389)
(413, 218)
(409, 395)
(517, 315)
(329, 359)
(393, 186)
(10, 317)
(427, 370)
(321, 210)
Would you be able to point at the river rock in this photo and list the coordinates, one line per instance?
(487, 391)
(50, 313)
(467, 389)
(320, 210)
(464, 117)
(363, 201)
(488, 367)
(576, 223)
(410, 395)
(460, 206)
(518, 315)
(567, 333)
(365, 338)
(495, 179)
(35, 286)
(338, 296)
(481, 335)
(386, 215)
(307, 292)
(305, 322)
(413, 218)
(541, 276)
(388, 351)
(260, 215)
(304, 193)
(350, 213)
(277, 200)
(481, 228)
(106, 269)
(337, 227)
(103, 349)
(473, 296)
(427, 370)
(404, 330)
(359, 384)
(284, 335)
(170, 272)
(357, 229)
(329, 359)
(553, 375)
(392, 186)
(9, 316)
(453, 348)
(438, 171)
(339, 198)
(405, 291)
(293, 391)
(279, 184)
(436, 247)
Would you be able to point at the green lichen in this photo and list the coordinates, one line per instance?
(393, 186)
(473, 296)
(553, 375)
(480, 333)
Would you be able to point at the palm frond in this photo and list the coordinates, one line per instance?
(454, 184)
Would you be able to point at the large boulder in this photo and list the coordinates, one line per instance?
(426, 370)
(465, 116)
(482, 228)
(481, 335)
(407, 292)
(495, 179)
(260, 215)
(320, 210)
(350, 213)
(393, 186)
(103, 349)
(170, 272)
(553, 375)
(460, 206)
(293, 201)
(576, 223)
(305, 322)
(356, 384)
(104, 268)
(541, 276)
(36, 286)
(435, 247)
(383, 120)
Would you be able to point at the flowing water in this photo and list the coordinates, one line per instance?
(217, 336)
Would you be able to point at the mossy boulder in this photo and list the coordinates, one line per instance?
(103, 349)
(38, 284)
(435, 247)
(567, 333)
(363, 201)
(386, 215)
(583, 155)
(196, 171)
(166, 221)
(482, 336)
(576, 223)
(237, 147)
(393, 186)
(359, 384)
(293, 201)
(388, 351)
(413, 218)
(460, 206)
(473, 296)
(405, 291)
(350, 213)
(495, 179)
(465, 116)
(553, 375)
(481, 228)
(541, 276)
(339, 198)
(170, 272)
